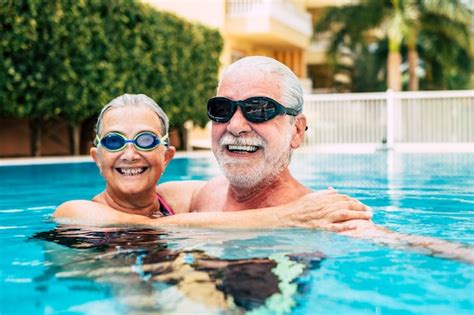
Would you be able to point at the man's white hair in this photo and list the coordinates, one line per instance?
(291, 90)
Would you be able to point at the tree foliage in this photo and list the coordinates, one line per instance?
(432, 35)
(67, 58)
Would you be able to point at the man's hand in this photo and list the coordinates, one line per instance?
(326, 209)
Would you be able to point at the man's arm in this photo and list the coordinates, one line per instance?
(325, 210)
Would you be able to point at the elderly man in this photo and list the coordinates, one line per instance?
(257, 122)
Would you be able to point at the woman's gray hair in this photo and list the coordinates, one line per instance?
(136, 100)
(291, 92)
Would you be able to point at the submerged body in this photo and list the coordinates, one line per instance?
(82, 279)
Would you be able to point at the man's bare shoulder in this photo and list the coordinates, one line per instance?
(218, 182)
(179, 194)
(176, 187)
(211, 195)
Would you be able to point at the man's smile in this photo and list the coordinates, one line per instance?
(131, 171)
(242, 148)
(241, 145)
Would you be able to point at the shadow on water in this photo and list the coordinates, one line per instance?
(143, 274)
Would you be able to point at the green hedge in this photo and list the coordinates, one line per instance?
(67, 58)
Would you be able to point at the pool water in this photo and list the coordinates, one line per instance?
(47, 268)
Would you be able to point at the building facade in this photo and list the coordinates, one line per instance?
(281, 29)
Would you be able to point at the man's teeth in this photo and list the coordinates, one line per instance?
(246, 148)
(131, 171)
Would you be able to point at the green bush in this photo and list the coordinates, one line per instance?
(67, 58)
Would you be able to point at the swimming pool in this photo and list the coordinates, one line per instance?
(49, 269)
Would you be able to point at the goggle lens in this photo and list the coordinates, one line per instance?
(220, 108)
(113, 142)
(255, 109)
(261, 110)
(147, 141)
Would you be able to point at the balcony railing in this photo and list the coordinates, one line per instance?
(284, 11)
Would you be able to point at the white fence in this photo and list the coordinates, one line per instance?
(393, 118)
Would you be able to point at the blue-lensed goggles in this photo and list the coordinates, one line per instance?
(143, 141)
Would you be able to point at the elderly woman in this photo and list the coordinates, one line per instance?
(132, 151)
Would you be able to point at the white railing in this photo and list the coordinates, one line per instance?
(392, 118)
(284, 11)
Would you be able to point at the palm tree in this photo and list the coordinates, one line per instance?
(400, 22)
(446, 42)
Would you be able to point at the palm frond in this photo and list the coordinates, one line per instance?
(453, 10)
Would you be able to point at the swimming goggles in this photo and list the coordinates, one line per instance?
(143, 141)
(255, 109)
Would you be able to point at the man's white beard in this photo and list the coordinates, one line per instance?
(245, 174)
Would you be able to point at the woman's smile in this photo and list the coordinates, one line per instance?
(131, 171)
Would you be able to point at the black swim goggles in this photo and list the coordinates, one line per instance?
(143, 141)
(255, 109)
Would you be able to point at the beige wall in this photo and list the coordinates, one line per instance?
(243, 37)
(266, 37)
(208, 12)
(293, 57)
(268, 32)
(325, 3)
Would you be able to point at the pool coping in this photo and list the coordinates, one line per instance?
(82, 158)
(437, 148)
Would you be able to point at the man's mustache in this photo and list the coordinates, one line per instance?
(228, 139)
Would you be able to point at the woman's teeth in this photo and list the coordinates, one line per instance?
(131, 171)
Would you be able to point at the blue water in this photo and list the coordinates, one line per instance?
(49, 269)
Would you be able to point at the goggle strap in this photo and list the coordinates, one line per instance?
(291, 111)
(97, 140)
(164, 139)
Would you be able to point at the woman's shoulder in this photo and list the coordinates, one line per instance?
(80, 210)
(73, 205)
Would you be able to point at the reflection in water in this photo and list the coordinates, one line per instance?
(146, 276)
